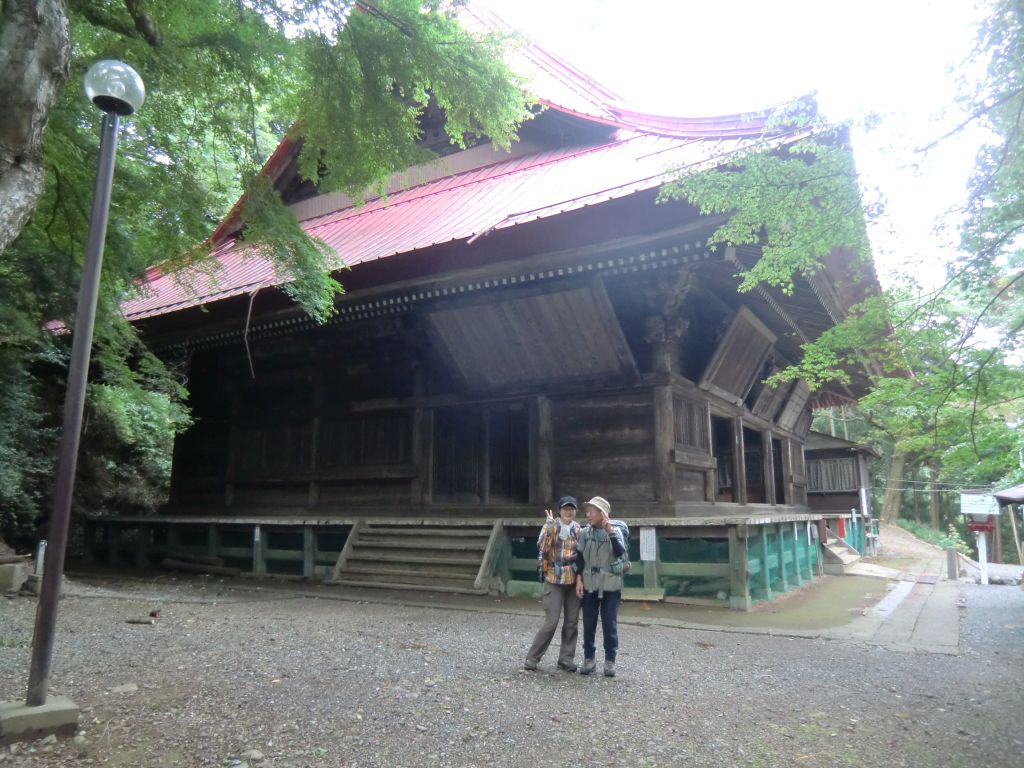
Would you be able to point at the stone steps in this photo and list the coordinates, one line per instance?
(838, 556)
(436, 556)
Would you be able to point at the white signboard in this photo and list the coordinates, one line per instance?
(978, 504)
(648, 545)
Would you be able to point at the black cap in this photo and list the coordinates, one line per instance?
(568, 501)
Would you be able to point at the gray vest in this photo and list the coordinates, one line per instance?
(598, 561)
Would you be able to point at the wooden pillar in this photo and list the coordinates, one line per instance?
(664, 442)
(764, 591)
(90, 540)
(798, 577)
(739, 578)
(425, 471)
(308, 551)
(711, 476)
(810, 550)
(112, 540)
(484, 470)
(739, 462)
(542, 488)
(259, 562)
(142, 550)
(173, 539)
(419, 414)
(782, 580)
(314, 439)
(768, 464)
(235, 411)
(212, 540)
(787, 472)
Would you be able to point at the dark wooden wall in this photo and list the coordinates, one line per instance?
(603, 445)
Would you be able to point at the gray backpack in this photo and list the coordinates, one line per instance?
(622, 565)
(611, 573)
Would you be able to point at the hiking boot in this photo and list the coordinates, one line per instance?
(531, 664)
(609, 669)
(567, 666)
(588, 667)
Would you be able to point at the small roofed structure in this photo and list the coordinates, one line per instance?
(516, 326)
(1012, 495)
(838, 483)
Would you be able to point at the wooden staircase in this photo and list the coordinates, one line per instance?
(837, 555)
(430, 556)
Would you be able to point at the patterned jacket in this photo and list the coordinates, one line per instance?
(556, 555)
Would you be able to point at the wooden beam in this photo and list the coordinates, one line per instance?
(487, 564)
(798, 576)
(484, 468)
(739, 462)
(308, 551)
(787, 471)
(350, 542)
(259, 561)
(765, 590)
(416, 439)
(543, 435)
(782, 582)
(739, 577)
(694, 569)
(664, 442)
(768, 457)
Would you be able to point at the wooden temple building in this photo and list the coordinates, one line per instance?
(515, 326)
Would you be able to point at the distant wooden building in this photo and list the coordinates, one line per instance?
(516, 326)
(839, 487)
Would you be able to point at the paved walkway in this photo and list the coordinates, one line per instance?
(919, 614)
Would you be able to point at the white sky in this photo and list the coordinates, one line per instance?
(895, 58)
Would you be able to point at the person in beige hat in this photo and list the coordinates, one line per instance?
(599, 580)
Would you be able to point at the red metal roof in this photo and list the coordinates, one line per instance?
(467, 205)
(459, 207)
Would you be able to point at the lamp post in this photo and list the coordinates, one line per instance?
(117, 90)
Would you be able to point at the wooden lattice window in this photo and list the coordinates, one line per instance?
(832, 475)
(691, 427)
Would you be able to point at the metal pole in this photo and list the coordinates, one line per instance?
(74, 401)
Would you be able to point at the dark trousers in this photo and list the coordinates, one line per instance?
(608, 607)
(558, 599)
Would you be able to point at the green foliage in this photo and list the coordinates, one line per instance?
(794, 194)
(949, 540)
(992, 264)
(276, 235)
(946, 367)
(26, 445)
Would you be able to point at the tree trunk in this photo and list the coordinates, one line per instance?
(893, 491)
(933, 495)
(35, 49)
(915, 494)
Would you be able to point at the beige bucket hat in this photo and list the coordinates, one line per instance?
(602, 504)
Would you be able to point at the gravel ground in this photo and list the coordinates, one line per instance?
(230, 677)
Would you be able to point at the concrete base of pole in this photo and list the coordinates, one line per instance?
(33, 584)
(20, 722)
